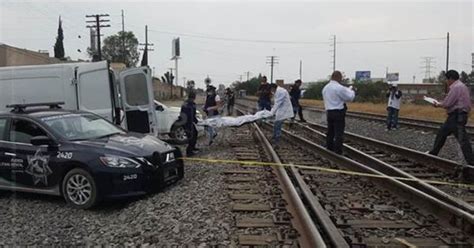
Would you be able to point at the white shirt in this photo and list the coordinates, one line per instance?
(393, 101)
(335, 95)
(282, 109)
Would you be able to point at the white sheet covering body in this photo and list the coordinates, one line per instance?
(228, 121)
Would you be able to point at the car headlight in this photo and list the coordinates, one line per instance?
(169, 157)
(119, 162)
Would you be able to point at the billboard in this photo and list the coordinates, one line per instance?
(392, 76)
(362, 75)
(175, 52)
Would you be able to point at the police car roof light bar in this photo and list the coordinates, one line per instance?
(22, 106)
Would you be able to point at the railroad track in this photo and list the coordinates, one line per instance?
(418, 124)
(262, 216)
(399, 161)
(354, 211)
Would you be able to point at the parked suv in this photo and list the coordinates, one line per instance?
(80, 156)
(169, 124)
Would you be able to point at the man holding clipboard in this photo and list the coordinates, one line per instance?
(457, 104)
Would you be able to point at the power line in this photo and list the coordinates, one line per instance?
(210, 37)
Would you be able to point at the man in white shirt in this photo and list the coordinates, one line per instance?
(335, 97)
(282, 109)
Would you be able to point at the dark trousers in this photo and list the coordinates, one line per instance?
(298, 109)
(455, 124)
(230, 109)
(192, 134)
(335, 135)
(392, 118)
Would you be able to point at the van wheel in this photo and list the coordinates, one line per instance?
(178, 134)
(79, 189)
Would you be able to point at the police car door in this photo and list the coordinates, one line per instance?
(32, 167)
(137, 99)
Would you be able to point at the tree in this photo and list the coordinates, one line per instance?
(315, 90)
(250, 86)
(464, 77)
(59, 46)
(441, 79)
(112, 49)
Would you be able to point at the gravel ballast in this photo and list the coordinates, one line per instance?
(411, 138)
(194, 211)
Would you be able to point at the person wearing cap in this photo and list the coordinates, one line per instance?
(211, 108)
(458, 105)
(335, 96)
(264, 94)
(394, 96)
(188, 118)
(295, 94)
(282, 110)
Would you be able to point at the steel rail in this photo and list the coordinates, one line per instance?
(449, 213)
(391, 170)
(309, 234)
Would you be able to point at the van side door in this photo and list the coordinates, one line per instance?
(137, 99)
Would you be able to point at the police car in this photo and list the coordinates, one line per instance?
(80, 156)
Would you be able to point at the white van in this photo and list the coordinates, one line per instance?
(125, 98)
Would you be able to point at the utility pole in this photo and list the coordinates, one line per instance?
(98, 24)
(427, 66)
(123, 38)
(447, 52)
(240, 76)
(333, 45)
(272, 61)
(146, 44)
(301, 69)
(248, 76)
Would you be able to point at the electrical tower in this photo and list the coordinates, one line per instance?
(427, 66)
(272, 61)
(98, 23)
(333, 51)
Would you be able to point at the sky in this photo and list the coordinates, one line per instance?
(226, 39)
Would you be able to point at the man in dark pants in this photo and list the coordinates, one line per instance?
(295, 94)
(264, 95)
(335, 97)
(457, 104)
(188, 117)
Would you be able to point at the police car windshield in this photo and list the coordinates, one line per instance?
(81, 126)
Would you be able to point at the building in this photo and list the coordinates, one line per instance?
(163, 91)
(412, 92)
(14, 56)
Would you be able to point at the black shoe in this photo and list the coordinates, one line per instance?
(302, 120)
(190, 154)
(196, 150)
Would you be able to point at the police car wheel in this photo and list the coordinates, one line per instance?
(178, 133)
(79, 189)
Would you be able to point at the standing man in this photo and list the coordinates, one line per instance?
(230, 99)
(295, 94)
(457, 104)
(211, 108)
(335, 97)
(394, 96)
(188, 117)
(282, 110)
(263, 94)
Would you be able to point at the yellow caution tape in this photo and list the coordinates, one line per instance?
(318, 168)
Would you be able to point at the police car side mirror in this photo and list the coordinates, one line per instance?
(42, 140)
